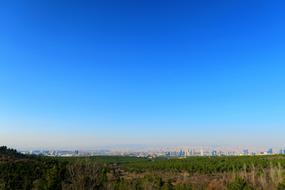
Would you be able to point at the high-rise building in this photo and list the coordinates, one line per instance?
(191, 152)
(270, 151)
(187, 152)
(181, 153)
(201, 152)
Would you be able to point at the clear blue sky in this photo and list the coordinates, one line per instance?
(90, 73)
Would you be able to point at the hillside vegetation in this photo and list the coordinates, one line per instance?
(18, 172)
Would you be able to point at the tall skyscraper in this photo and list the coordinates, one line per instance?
(270, 151)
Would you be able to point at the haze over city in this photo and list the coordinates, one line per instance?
(87, 74)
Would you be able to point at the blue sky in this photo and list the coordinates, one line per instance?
(92, 73)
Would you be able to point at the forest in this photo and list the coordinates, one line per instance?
(26, 172)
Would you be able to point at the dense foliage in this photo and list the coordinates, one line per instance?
(18, 171)
(209, 165)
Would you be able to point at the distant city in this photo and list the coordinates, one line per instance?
(179, 153)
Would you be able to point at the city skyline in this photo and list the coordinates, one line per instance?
(140, 151)
(83, 74)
